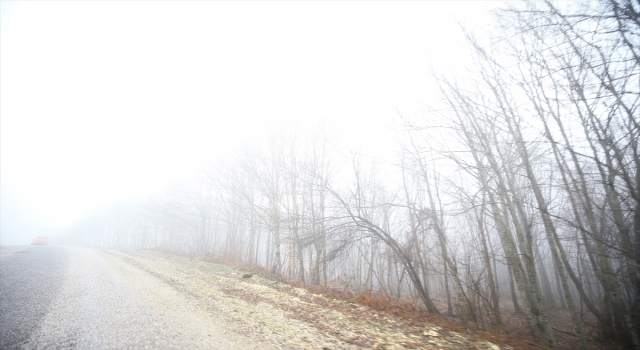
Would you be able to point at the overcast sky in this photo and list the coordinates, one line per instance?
(105, 100)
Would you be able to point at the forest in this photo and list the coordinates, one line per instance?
(516, 191)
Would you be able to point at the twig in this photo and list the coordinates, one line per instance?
(536, 345)
(347, 286)
(567, 333)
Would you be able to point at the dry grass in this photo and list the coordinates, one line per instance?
(410, 316)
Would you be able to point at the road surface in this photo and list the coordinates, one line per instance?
(72, 297)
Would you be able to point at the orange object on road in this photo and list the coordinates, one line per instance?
(40, 241)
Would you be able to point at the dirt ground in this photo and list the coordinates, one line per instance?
(289, 317)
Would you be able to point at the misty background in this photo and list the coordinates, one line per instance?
(478, 161)
(106, 101)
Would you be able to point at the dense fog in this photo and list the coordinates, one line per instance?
(512, 188)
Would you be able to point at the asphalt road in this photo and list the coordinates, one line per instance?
(55, 297)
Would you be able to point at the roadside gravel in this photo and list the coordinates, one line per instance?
(287, 317)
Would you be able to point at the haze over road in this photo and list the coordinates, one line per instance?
(72, 297)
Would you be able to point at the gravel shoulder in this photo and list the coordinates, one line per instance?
(284, 317)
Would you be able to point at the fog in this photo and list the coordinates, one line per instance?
(102, 101)
(475, 161)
